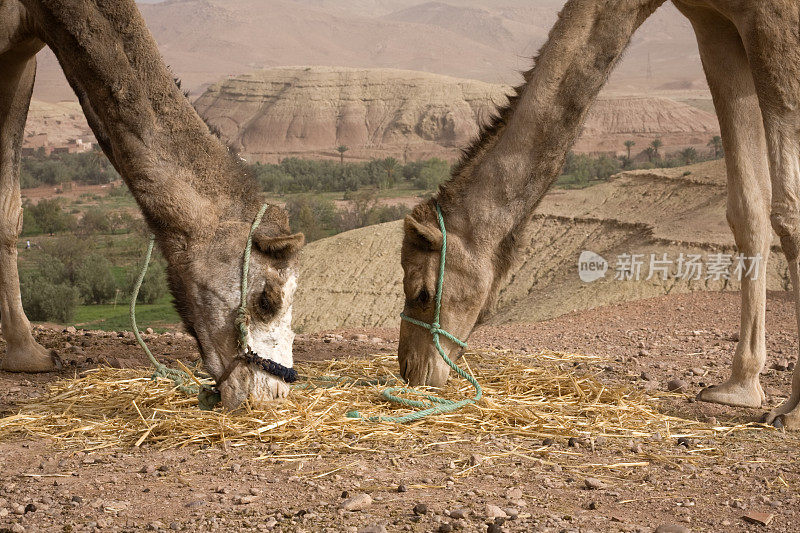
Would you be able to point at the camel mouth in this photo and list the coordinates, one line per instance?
(431, 372)
(260, 362)
(266, 388)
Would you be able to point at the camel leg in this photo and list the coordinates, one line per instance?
(23, 353)
(774, 52)
(728, 72)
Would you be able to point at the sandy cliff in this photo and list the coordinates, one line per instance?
(309, 111)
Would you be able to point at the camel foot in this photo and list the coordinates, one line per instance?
(734, 394)
(32, 357)
(786, 415)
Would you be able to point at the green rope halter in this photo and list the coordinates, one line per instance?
(242, 314)
(434, 405)
(207, 396)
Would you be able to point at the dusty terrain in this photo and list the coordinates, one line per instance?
(655, 480)
(669, 211)
(309, 111)
(207, 40)
(61, 122)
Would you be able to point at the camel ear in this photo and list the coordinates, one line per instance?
(421, 234)
(282, 247)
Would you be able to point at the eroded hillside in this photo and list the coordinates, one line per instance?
(354, 279)
(309, 111)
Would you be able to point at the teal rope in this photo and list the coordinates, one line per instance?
(207, 397)
(434, 405)
(183, 381)
(242, 314)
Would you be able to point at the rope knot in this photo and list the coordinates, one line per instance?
(242, 322)
(435, 327)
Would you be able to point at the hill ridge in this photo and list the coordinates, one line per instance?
(308, 111)
(544, 283)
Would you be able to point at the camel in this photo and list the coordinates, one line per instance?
(750, 53)
(193, 192)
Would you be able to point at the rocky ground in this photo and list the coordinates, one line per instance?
(458, 486)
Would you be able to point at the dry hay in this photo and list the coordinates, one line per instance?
(525, 398)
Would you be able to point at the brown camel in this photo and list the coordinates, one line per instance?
(194, 194)
(751, 55)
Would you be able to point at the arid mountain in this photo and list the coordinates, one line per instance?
(375, 112)
(206, 40)
(616, 119)
(309, 111)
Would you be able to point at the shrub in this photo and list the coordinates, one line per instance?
(43, 300)
(95, 220)
(47, 216)
(60, 169)
(365, 210)
(315, 217)
(428, 174)
(94, 279)
(154, 285)
(70, 251)
(119, 191)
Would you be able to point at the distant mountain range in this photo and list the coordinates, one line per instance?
(270, 114)
(205, 41)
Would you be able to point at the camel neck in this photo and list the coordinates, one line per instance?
(183, 178)
(515, 161)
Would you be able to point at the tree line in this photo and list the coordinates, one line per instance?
(293, 175)
(580, 170)
(74, 265)
(89, 168)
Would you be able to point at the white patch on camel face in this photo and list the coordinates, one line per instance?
(273, 340)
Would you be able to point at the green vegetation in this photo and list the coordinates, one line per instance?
(716, 146)
(294, 175)
(86, 251)
(90, 168)
(581, 170)
(159, 315)
(83, 258)
(47, 216)
(318, 217)
(342, 149)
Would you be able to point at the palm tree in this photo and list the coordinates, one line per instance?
(341, 149)
(689, 155)
(716, 146)
(390, 165)
(628, 145)
(656, 144)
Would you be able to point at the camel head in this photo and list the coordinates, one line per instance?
(207, 288)
(466, 289)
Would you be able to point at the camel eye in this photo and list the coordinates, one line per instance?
(265, 304)
(423, 296)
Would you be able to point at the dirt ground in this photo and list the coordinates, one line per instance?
(647, 343)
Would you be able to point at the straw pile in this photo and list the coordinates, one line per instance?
(526, 398)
